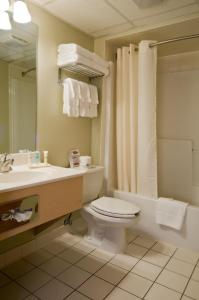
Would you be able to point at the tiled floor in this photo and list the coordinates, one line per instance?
(69, 268)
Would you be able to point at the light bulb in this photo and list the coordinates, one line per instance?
(20, 12)
(4, 5)
(5, 21)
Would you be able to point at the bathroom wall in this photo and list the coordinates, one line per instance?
(4, 108)
(177, 125)
(56, 132)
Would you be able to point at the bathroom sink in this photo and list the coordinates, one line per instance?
(23, 177)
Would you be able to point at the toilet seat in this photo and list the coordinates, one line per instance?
(114, 207)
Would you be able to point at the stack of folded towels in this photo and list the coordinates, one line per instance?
(79, 99)
(73, 53)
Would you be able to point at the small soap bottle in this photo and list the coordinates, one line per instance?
(37, 157)
(45, 157)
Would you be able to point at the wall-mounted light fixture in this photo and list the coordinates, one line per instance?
(13, 9)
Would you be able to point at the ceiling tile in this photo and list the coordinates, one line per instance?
(167, 16)
(131, 10)
(88, 15)
(113, 30)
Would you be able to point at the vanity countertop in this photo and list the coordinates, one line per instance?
(23, 177)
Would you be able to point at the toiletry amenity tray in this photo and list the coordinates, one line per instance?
(80, 69)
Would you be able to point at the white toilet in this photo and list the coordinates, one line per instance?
(106, 217)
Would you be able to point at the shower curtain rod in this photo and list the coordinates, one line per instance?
(182, 38)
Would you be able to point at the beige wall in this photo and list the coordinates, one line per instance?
(4, 108)
(56, 132)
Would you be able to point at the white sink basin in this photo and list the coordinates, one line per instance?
(23, 177)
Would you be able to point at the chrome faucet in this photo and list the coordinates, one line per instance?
(5, 163)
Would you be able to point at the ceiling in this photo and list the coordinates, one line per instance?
(105, 17)
(18, 46)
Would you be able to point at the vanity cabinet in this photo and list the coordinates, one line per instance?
(55, 200)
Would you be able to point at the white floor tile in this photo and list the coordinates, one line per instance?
(77, 296)
(180, 267)
(74, 276)
(31, 297)
(33, 280)
(192, 289)
(186, 298)
(195, 274)
(187, 255)
(135, 284)
(130, 235)
(156, 258)
(172, 280)
(55, 266)
(13, 291)
(146, 270)
(69, 239)
(84, 246)
(28, 248)
(90, 263)
(105, 255)
(164, 248)
(118, 294)
(3, 279)
(111, 273)
(56, 247)
(38, 257)
(17, 269)
(124, 261)
(144, 241)
(96, 288)
(53, 290)
(136, 251)
(159, 292)
(72, 255)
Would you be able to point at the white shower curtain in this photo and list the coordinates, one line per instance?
(107, 132)
(136, 119)
(147, 139)
(126, 118)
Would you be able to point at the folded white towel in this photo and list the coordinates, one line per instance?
(170, 212)
(70, 97)
(100, 61)
(64, 60)
(74, 49)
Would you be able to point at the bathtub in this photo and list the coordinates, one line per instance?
(187, 237)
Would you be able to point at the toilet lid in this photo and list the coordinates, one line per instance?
(114, 207)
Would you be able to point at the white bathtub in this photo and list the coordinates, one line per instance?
(188, 237)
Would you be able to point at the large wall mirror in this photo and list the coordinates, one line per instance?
(18, 88)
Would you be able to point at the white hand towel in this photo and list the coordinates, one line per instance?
(94, 94)
(70, 98)
(170, 212)
(100, 61)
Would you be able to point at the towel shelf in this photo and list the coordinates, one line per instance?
(78, 68)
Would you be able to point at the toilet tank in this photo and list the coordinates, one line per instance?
(92, 183)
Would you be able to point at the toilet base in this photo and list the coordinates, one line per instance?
(106, 234)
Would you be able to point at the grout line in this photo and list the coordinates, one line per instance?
(190, 278)
(131, 270)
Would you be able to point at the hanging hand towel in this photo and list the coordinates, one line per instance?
(170, 212)
(85, 99)
(70, 98)
(94, 101)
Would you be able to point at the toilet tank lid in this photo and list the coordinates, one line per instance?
(115, 206)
